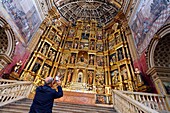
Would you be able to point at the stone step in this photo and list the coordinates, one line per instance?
(60, 107)
(26, 111)
(23, 106)
(29, 101)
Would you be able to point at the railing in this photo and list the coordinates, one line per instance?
(11, 90)
(153, 101)
(125, 104)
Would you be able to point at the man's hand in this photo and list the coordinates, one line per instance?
(58, 82)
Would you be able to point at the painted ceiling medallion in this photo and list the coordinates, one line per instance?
(103, 11)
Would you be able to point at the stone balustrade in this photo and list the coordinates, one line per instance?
(11, 90)
(153, 101)
(125, 104)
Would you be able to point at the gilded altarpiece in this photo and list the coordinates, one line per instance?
(87, 58)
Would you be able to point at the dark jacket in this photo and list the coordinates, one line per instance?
(44, 98)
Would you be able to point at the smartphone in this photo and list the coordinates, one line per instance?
(57, 78)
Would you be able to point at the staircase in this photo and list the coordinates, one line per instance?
(23, 106)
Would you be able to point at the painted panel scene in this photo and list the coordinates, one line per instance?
(24, 16)
(150, 16)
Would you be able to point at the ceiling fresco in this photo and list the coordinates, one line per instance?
(103, 11)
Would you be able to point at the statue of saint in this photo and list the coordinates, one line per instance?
(90, 78)
(72, 59)
(124, 73)
(113, 59)
(138, 75)
(51, 55)
(75, 45)
(36, 67)
(82, 46)
(92, 46)
(51, 35)
(91, 61)
(44, 51)
(17, 66)
(71, 33)
(66, 46)
(45, 71)
(69, 77)
(99, 37)
(82, 58)
(116, 78)
(120, 55)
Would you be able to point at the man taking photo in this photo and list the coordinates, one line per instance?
(45, 95)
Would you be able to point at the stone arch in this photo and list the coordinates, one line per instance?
(154, 45)
(7, 43)
(158, 54)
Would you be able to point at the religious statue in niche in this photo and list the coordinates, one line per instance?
(61, 74)
(99, 79)
(99, 35)
(45, 71)
(139, 76)
(112, 59)
(51, 55)
(17, 66)
(76, 45)
(111, 44)
(120, 54)
(100, 60)
(64, 58)
(71, 33)
(69, 77)
(81, 45)
(57, 43)
(117, 38)
(124, 73)
(51, 35)
(36, 67)
(91, 60)
(66, 46)
(115, 77)
(45, 49)
(99, 47)
(69, 44)
(55, 39)
(82, 58)
(92, 45)
(73, 57)
(90, 77)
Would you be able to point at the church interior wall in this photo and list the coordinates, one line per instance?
(24, 20)
(149, 17)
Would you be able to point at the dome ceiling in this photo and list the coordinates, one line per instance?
(102, 11)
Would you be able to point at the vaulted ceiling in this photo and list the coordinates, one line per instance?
(103, 11)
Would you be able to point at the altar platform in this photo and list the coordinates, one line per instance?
(78, 97)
